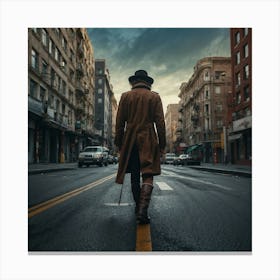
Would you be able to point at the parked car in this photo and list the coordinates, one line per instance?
(111, 159)
(176, 161)
(93, 155)
(169, 157)
(186, 159)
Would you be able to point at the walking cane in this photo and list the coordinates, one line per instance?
(121, 195)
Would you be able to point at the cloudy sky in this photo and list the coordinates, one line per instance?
(167, 54)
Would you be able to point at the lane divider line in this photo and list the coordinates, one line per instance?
(164, 187)
(34, 210)
(143, 238)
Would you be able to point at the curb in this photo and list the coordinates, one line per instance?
(234, 172)
(39, 171)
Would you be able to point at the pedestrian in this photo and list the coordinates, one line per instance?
(140, 144)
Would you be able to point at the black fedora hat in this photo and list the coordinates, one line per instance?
(141, 75)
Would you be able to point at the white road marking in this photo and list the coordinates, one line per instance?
(117, 204)
(164, 187)
(173, 174)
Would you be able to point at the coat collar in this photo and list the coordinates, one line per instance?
(141, 85)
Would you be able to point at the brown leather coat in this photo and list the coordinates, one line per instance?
(140, 111)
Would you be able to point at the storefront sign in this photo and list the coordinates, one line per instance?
(242, 124)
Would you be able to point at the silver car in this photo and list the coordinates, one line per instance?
(93, 155)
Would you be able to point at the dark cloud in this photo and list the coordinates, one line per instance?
(168, 54)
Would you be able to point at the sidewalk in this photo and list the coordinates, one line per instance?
(38, 168)
(239, 170)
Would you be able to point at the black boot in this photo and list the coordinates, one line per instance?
(135, 188)
(144, 201)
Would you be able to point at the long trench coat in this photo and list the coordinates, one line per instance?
(139, 112)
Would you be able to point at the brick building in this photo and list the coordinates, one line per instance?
(240, 103)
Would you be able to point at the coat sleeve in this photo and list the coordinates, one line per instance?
(120, 123)
(160, 123)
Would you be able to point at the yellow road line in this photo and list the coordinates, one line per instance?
(34, 210)
(143, 238)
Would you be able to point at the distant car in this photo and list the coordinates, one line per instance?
(110, 159)
(169, 158)
(96, 155)
(186, 159)
(116, 159)
(176, 161)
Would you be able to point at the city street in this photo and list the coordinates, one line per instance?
(191, 210)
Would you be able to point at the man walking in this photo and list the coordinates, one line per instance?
(140, 145)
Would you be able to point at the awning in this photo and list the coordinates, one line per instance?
(190, 149)
(234, 137)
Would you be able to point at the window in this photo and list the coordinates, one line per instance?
(246, 50)
(35, 29)
(237, 58)
(100, 71)
(71, 96)
(99, 100)
(206, 76)
(100, 81)
(219, 107)
(218, 74)
(245, 30)
(217, 89)
(70, 118)
(42, 94)
(237, 38)
(57, 106)
(44, 67)
(57, 31)
(63, 42)
(207, 108)
(56, 54)
(247, 112)
(246, 72)
(100, 91)
(50, 46)
(33, 86)
(53, 78)
(63, 109)
(72, 57)
(63, 87)
(237, 79)
(59, 85)
(51, 101)
(238, 98)
(44, 37)
(34, 59)
(247, 93)
(219, 123)
(71, 75)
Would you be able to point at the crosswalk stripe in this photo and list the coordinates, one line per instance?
(164, 187)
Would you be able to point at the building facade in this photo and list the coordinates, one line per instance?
(60, 93)
(240, 117)
(203, 109)
(104, 97)
(171, 121)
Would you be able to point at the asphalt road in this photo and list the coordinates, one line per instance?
(83, 210)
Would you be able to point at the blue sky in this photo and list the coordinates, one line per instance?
(167, 54)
